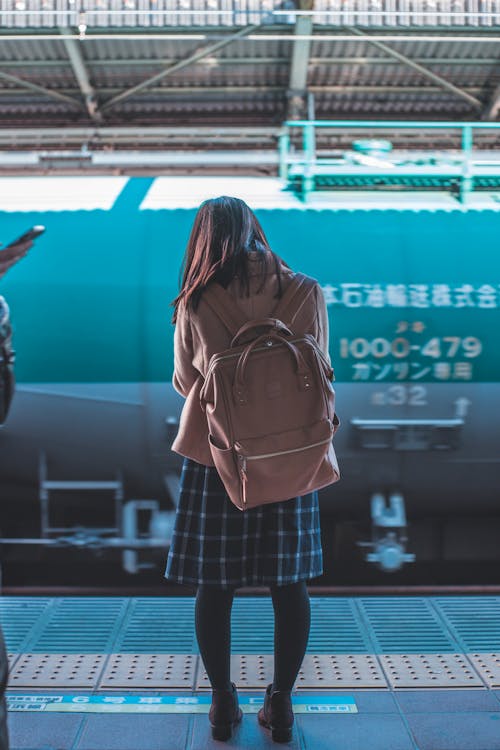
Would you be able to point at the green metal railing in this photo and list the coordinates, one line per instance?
(306, 167)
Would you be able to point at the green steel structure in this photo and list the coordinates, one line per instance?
(459, 172)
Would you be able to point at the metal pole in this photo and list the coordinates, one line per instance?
(310, 158)
(466, 183)
(284, 149)
(396, 124)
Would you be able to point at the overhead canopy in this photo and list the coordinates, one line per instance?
(243, 63)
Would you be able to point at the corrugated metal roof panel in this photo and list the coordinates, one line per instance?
(397, 75)
(352, 104)
(154, 49)
(172, 50)
(415, 48)
(382, 13)
(32, 50)
(60, 76)
(218, 106)
(251, 78)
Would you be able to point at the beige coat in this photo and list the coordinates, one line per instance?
(199, 335)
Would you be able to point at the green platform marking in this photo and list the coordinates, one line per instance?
(169, 704)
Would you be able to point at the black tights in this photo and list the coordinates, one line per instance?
(292, 617)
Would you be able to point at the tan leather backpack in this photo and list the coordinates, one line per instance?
(270, 403)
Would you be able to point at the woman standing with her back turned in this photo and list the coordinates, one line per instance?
(215, 545)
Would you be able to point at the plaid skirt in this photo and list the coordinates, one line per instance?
(213, 542)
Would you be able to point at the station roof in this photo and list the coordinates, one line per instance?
(242, 63)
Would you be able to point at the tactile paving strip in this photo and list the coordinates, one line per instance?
(407, 642)
(247, 671)
(429, 670)
(317, 671)
(12, 658)
(252, 671)
(340, 670)
(162, 671)
(57, 670)
(488, 666)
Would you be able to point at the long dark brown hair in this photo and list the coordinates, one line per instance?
(224, 231)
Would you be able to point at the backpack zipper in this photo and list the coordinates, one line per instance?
(244, 479)
(243, 462)
(282, 453)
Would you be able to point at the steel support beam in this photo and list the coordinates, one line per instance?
(425, 72)
(300, 55)
(225, 61)
(205, 52)
(78, 64)
(493, 106)
(301, 50)
(221, 90)
(19, 137)
(39, 89)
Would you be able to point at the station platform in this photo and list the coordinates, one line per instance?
(380, 673)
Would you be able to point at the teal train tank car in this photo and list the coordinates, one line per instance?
(412, 284)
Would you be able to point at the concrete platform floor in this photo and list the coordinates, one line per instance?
(380, 673)
(385, 720)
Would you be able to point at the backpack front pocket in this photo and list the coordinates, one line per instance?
(287, 464)
(225, 463)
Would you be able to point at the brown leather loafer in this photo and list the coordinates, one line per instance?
(276, 714)
(224, 713)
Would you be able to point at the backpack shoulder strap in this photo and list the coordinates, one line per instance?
(287, 309)
(294, 297)
(223, 305)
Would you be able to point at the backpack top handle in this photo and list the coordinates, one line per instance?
(272, 323)
(304, 375)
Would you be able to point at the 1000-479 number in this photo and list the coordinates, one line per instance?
(437, 347)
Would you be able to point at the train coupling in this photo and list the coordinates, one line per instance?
(388, 543)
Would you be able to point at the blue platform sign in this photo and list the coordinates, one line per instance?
(175, 704)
